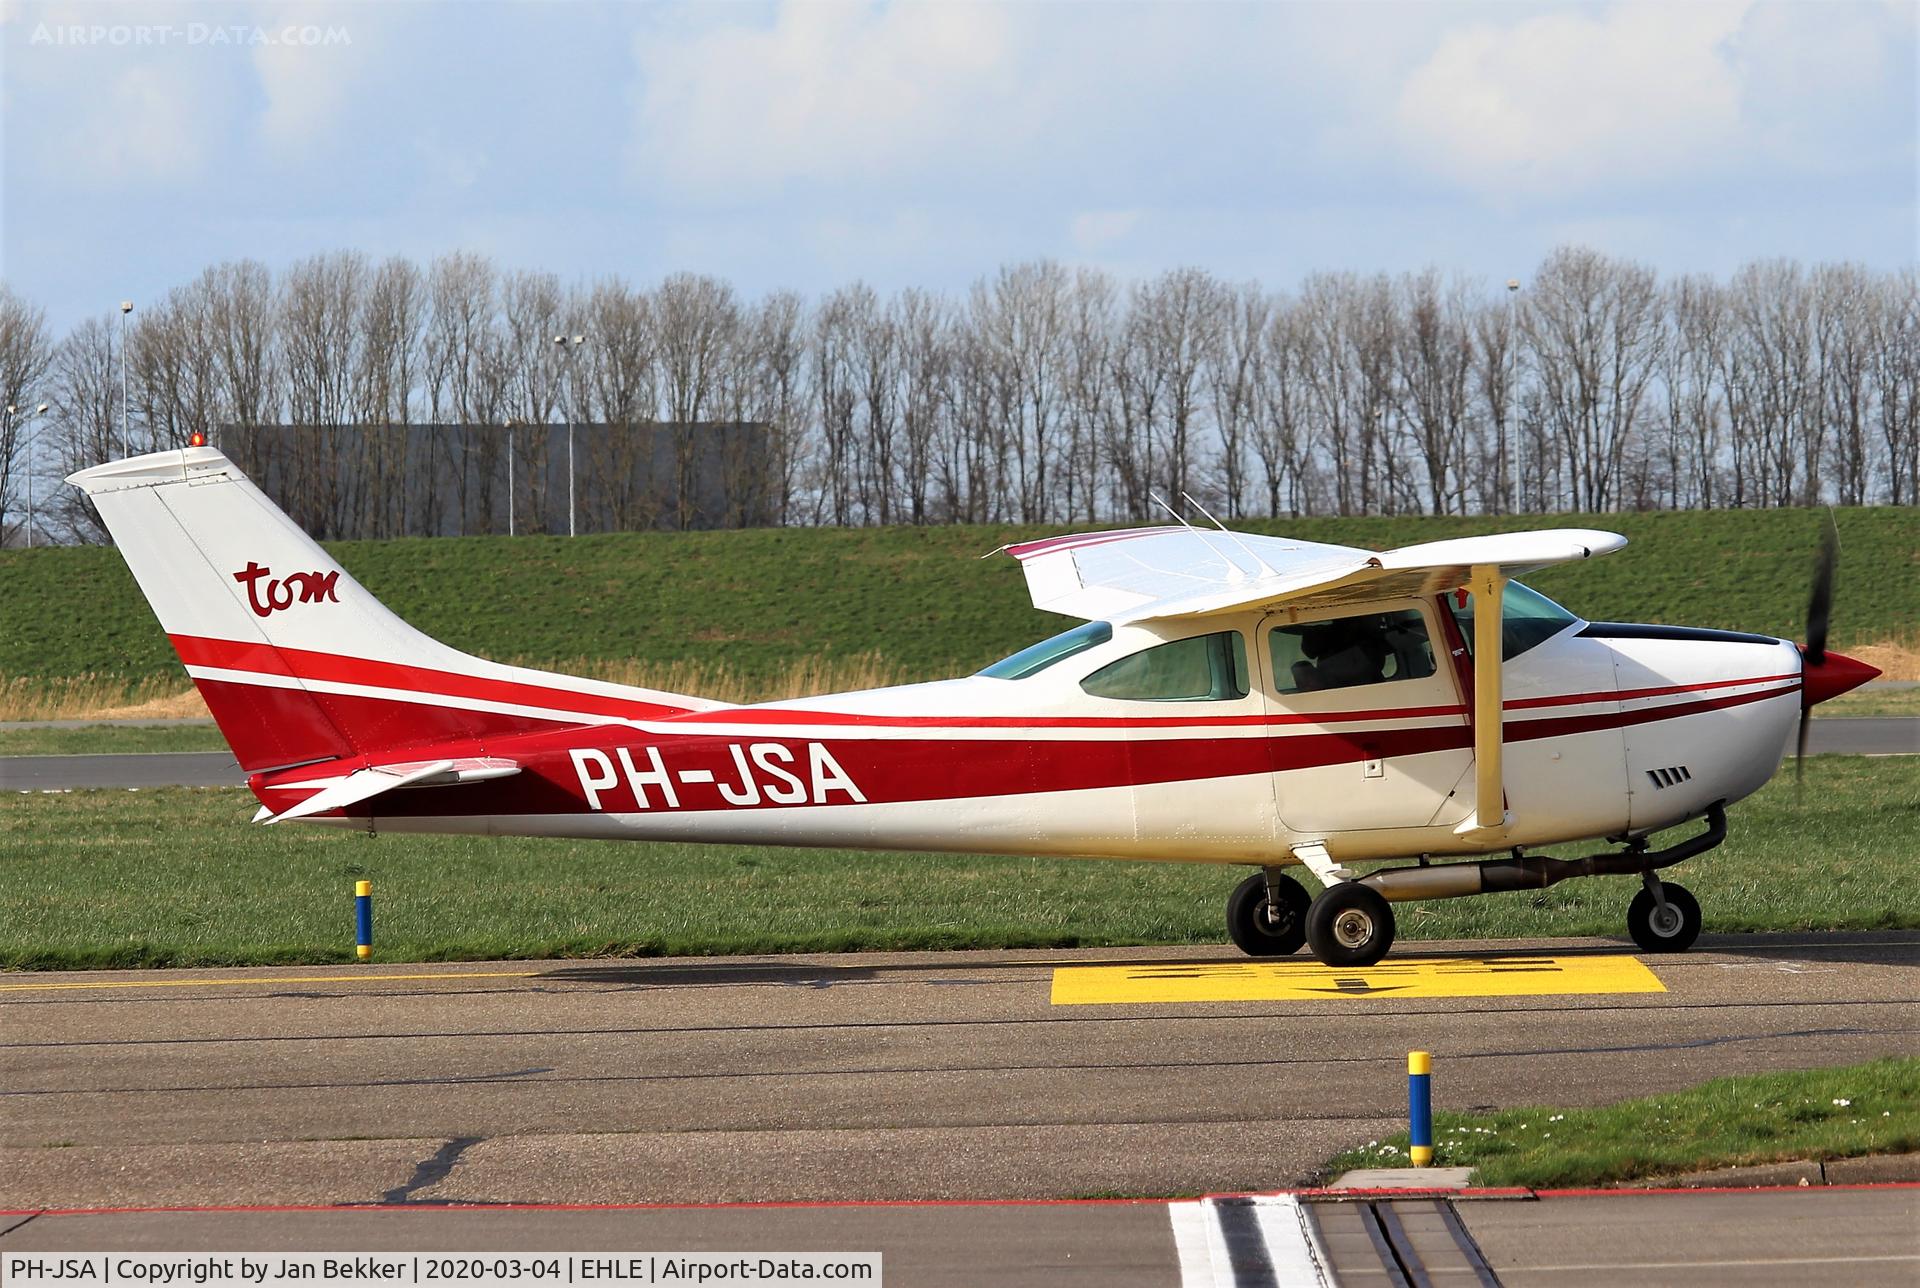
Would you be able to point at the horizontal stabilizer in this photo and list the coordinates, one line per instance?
(364, 784)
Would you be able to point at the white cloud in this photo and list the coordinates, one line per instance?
(827, 90)
(134, 100)
(1095, 231)
(1566, 101)
(316, 63)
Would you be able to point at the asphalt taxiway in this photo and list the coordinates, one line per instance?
(921, 1076)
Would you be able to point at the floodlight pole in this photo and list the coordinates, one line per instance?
(1512, 428)
(6, 436)
(126, 412)
(509, 478)
(569, 346)
(31, 420)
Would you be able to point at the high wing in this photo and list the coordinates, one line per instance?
(1138, 574)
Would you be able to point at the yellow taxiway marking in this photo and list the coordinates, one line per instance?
(1258, 981)
(263, 979)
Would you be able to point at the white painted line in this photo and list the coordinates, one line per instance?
(1192, 1224)
(1295, 1251)
(1285, 1231)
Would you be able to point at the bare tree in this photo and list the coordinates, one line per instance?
(26, 354)
(1593, 325)
(1236, 374)
(85, 400)
(1435, 356)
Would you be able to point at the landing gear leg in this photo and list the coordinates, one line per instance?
(1267, 914)
(1663, 917)
(1349, 924)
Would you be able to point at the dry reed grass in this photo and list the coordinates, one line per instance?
(1898, 659)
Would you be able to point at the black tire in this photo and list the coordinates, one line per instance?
(1673, 934)
(1257, 934)
(1349, 924)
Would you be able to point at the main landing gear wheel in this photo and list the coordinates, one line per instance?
(1671, 929)
(1263, 928)
(1349, 924)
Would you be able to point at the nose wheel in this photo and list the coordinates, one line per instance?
(1267, 915)
(1663, 917)
(1349, 924)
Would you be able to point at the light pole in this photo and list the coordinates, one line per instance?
(6, 438)
(510, 424)
(1512, 428)
(568, 346)
(126, 415)
(37, 413)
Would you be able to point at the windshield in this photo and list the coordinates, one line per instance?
(1527, 618)
(1038, 657)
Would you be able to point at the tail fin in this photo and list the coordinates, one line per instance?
(297, 662)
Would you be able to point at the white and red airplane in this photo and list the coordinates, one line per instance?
(1229, 699)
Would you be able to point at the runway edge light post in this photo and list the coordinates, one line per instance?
(1420, 1107)
(363, 920)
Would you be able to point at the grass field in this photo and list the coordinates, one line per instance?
(110, 739)
(741, 609)
(1871, 1108)
(177, 878)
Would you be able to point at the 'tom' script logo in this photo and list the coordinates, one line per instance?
(269, 594)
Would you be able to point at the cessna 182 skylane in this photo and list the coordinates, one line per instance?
(1229, 699)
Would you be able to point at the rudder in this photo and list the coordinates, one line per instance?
(296, 661)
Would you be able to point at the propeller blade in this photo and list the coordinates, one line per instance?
(1820, 605)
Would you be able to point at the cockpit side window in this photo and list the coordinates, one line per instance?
(1345, 652)
(1527, 618)
(1036, 658)
(1203, 668)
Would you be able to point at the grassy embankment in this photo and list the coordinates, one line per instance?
(175, 878)
(776, 611)
(1871, 1108)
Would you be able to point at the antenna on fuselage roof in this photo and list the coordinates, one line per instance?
(1258, 562)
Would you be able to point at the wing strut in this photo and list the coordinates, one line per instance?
(1490, 798)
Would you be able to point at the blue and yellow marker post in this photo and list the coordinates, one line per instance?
(363, 919)
(1420, 1107)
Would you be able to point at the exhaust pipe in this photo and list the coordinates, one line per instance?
(1538, 871)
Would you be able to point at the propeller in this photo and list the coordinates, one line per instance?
(1819, 617)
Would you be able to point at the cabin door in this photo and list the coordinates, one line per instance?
(1370, 729)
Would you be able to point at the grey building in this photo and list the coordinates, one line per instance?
(341, 482)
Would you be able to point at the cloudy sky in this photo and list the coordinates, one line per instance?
(809, 144)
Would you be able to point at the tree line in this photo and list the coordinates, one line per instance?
(1045, 392)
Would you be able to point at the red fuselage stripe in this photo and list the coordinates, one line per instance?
(914, 769)
(334, 668)
(265, 659)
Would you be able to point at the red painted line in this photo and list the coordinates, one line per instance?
(1482, 1192)
(482, 1206)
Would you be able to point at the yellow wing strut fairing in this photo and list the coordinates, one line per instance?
(1490, 800)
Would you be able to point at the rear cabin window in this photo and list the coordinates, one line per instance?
(1346, 652)
(1205, 668)
(1035, 658)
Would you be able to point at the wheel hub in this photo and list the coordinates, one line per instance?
(1352, 928)
(1665, 921)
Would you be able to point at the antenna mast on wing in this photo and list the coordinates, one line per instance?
(1178, 517)
(1258, 562)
